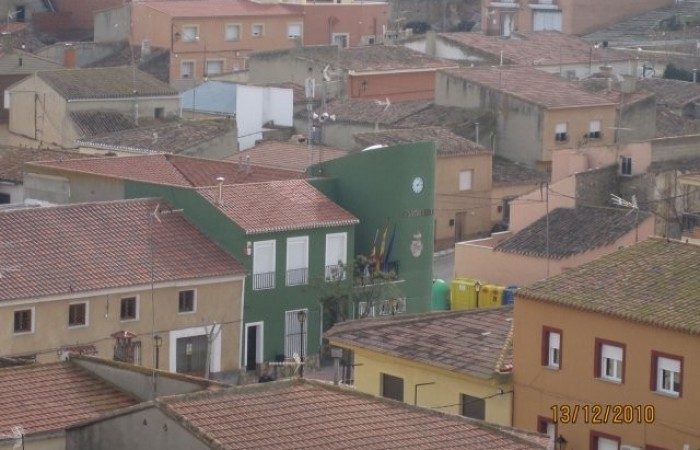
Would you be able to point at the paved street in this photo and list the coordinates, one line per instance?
(443, 265)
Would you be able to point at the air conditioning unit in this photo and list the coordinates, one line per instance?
(629, 447)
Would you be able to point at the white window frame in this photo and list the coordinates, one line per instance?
(466, 180)
(231, 26)
(665, 364)
(87, 315)
(343, 259)
(626, 165)
(188, 37)
(595, 129)
(214, 353)
(191, 74)
(209, 72)
(262, 30)
(292, 329)
(257, 246)
(345, 35)
(291, 35)
(553, 349)
(138, 308)
(615, 354)
(194, 301)
(561, 133)
(33, 321)
(292, 241)
(260, 337)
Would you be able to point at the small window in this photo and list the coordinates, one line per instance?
(190, 33)
(185, 302)
(666, 374)
(257, 30)
(159, 113)
(187, 69)
(545, 425)
(625, 165)
(77, 315)
(214, 67)
(340, 39)
(294, 31)
(392, 387)
(128, 309)
(603, 441)
(233, 32)
(23, 321)
(473, 407)
(551, 347)
(560, 134)
(465, 180)
(609, 360)
(594, 130)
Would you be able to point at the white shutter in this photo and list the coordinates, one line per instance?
(554, 340)
(546, 20)
(465, 180)
(297, 253)
(672, 365)
(607, 444)
(595, 126)
(233, 32)
(294, 30)
(611, 352)
(336, 248)
(561, 128)
(263, 257)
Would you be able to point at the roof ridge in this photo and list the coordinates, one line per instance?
(88, 203)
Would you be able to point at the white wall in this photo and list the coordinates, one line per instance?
(256, 106)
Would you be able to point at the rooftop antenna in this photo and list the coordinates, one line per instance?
(619, 201)
(220, 180)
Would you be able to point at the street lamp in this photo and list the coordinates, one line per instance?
(301, 316)
(560, 443)
(477, 287)
(157, 343)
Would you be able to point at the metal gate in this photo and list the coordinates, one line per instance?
(191, 355)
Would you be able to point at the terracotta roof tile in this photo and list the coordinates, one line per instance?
(52, 397)
(452, 117)
(671, 93)
(654, 282)
(218, 8)
(373, 58)
(463, 341)
(84, 247)
(538, 48)
(96, 122)
(171, 137)
(173, 170)
(505, 171)
(278, 414)
(12, 160)
(531, 85)
(447, 142)
(278, 206)
(110, 82)
(572, 231)
(288, 155)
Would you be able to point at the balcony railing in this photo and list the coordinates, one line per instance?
(336, 272)
(264, 280)
(297, 277)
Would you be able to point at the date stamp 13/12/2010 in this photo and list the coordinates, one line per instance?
(618, 414)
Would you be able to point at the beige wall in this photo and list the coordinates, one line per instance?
(503, 191)
(578, 124)
(447, 390)
(450, 201)
(537, 388)
(212, 44)
(216, 301)
(530, 207)
(478, 260)
(568, 162)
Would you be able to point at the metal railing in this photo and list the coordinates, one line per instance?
(263, 280)
(336, 272)
(297, 277)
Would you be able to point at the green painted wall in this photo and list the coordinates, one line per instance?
(267, 305)
(376, 186)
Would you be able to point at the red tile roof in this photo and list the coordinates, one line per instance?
(379, 58)
(476, 342)
(12, 160)
(172, 169)
(52, 397)
(219, 8)
(530, 85)
(539, 48)
(316, 416)
(278, 206)
(85, 247)
(447, 142)
(289, 155)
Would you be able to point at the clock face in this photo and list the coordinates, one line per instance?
(417, 185)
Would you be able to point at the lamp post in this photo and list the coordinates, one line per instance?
(560, 443)
(301, 316)
(477, 287)
(157, 344)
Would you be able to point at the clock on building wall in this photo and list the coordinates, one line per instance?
(417, 185)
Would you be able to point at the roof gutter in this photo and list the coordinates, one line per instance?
(393, 72)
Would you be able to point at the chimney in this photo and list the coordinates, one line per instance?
(220, 201)
(69, 58)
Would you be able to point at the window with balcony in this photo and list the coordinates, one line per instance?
(297, 261)
(264, 265)
(336, 256)
(666, 374)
